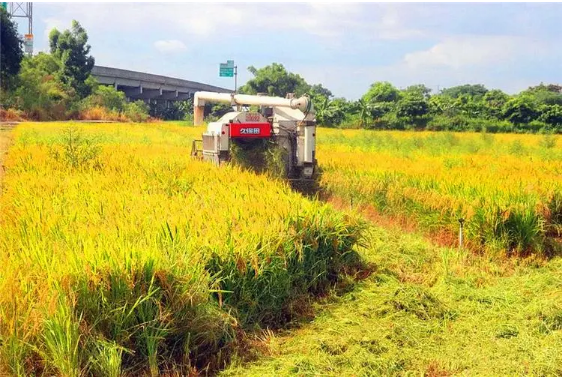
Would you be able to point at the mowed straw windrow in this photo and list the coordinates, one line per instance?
(122, 255)
(507, 188)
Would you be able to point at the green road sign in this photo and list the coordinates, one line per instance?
(228, 72)
(4, 5)
(226, 69)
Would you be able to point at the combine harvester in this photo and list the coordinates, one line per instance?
(288, 123)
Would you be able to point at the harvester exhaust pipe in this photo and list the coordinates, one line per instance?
(303, 103)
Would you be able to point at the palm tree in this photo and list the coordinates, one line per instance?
(322, 110)
(365, 112)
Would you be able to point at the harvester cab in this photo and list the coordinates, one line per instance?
(289, 123)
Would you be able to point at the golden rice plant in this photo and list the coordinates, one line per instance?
(506, 187)
(122, 255)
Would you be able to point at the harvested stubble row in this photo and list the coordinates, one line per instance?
(121, 255)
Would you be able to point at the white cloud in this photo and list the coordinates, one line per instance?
(471, 51)
(322, 20)
(394, 23)
(170, 46)
(200, 20)
(212, 19)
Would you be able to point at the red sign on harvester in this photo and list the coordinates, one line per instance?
(250, 130)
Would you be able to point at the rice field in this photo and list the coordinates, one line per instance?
(123, 256)
(506, 188)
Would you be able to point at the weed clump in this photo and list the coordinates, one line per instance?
(76, 150)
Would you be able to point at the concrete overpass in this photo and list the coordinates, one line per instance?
(149, 87)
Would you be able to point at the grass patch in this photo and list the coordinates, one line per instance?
(477, 317)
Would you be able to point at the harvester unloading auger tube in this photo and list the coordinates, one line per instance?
(289, 122)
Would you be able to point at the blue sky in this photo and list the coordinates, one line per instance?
(345, 47)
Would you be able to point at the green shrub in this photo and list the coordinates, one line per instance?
(137, 111)
(534, 127)
(107, 97)
(495, 126)
(390, 121)
(442, 123)
(108, 103)
(189, 117)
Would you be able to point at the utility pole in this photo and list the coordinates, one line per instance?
(24, 10)
(235, 74)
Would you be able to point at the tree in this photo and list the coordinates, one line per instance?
(470, 106)
(420, 90)
(465, 100)
(40, 92)
(319, 90)
(520, 110)
(378, 101)
(556, 88)
(11, 53)
(475, 90)
(545, 94)
(443, 105)
(493, 102)
(274, 80)
(137, 111)
(551, 114)
(411, 106)
(365, 112)
(323, 111)
(381, 92)
(341, 108)
(331, 112)
(71, 48)
(321, 98)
